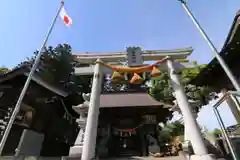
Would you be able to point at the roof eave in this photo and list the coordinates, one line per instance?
(236, 25)
(233, 29)
(25, 71)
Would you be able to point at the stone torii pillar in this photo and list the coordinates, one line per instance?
(187, 147)
(195, 137)
(88, 151)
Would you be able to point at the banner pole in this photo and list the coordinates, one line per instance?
(211, 45)
(26, 85)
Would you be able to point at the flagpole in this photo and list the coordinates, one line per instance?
(26, 85)
(211, 45)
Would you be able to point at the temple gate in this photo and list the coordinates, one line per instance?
(125, 120)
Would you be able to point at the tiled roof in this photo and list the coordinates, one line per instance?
(128, 100)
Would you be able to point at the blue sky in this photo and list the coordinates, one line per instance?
(112, 25)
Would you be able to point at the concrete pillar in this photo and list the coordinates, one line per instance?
(187, 146)
(88, 152)
(195, 137)
(233, 106)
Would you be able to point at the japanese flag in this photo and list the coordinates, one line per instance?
(67, 20)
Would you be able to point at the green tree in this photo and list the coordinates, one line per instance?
(216, 132)
(57, 68)
(171, 130)
(3, 70)
(176, 128)
(162, 89)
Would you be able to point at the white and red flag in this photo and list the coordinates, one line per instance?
(63, 14)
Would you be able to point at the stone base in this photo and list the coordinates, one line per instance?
(203, 157)
(187, 147)
(75, 151)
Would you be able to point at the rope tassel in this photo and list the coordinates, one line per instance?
(136, 79)
(155, 72)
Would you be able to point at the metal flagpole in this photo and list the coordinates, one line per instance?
(26, 85)
(211, 45)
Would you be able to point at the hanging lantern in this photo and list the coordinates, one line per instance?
(155, 72)
(136, 79)
(116, 77)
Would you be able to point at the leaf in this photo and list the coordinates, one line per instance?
(57, 68)
(162, 90)
(4, 70)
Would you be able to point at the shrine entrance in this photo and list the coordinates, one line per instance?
(126, 136)
(122, 129)
(126, 144)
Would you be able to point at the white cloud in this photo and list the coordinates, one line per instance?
(207, 118)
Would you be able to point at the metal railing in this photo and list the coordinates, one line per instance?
(225, 133)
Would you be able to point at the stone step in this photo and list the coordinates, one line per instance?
(146, 158)
(78, 158)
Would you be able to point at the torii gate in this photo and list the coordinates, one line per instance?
(181, 98)
(167, 62)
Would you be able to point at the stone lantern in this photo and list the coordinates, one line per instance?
(82, 110)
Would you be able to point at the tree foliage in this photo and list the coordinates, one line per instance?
(162, 90)
(217, 132)
(57, 68)
(171, 130)
(3, 70)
